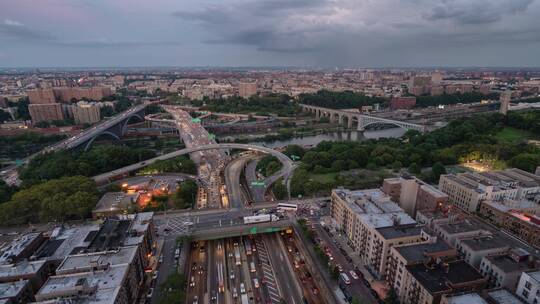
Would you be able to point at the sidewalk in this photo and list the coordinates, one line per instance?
(378, 285)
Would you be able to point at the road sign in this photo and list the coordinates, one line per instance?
(196, 120)
(212, 136)
(294, 157)
(253, 230)
(258, 184)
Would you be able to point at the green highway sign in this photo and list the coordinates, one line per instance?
(294, 157)
(253, 230)
(212, 136)
(196, 120)
(260, 184)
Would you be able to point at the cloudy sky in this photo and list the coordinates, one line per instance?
(325, 33)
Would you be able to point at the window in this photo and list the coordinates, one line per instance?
(528, 285)
(525, 293)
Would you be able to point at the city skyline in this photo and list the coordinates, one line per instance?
(231, 33)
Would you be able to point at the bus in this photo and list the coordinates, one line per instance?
(247, 244)
(237, 255)
(221, 286)
(287, 207)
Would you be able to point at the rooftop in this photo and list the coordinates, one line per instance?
(503, 296)
(508, 205)
(418, 252)
(12, 289)
(87, 261)
(68, 240)
(466, 225)
(465, 298)
(394, 232)
(86, 287)
(507, 264)
(438, 278)
(374, 207)
(17, 246)
(21, 269)
(486, 242)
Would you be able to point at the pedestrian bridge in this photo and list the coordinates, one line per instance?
(351, 118)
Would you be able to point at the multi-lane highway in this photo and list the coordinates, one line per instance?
(233, 171)
(257, 192)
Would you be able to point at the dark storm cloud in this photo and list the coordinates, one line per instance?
(10, 29)
(476, 11)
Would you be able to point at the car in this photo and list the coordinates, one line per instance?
(160, 259)
(354, 275)
(192, 281)
(315, 291)
(339, 267)
(242, 288)
(201, 270)
(195, 300)
(234, 293)
(256, 283)
(150, 293)
(231, 275)
(155, 275)
(213, 298)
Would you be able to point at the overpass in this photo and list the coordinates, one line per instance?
(285, 171)
(226, 231)
(351, 118)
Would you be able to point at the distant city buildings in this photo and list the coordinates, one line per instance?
(402, 103)
(247, 89)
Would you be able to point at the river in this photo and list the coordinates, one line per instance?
(336, 136)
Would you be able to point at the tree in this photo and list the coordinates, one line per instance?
(68, 198)
(42, 124)
(185, 194)
(22, 109)
(4, 116)
(279, 190)
(437, 170)
(6, 192)
(391, 297)
(526, 161)
(295, 150)
(414, 168)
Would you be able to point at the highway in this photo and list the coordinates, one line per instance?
(286, 170)
(209, 162)
(257, 192)
(232, 173)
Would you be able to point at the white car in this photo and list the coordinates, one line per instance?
(150, 293)
(242, 288)
(354, 275)
(256, 283)
(154, 276)
(234, 293)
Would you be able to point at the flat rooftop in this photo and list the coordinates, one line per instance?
(21, 268)
(467, 298)
(17, 246)
(68, 240)
(85, 261)
(480, 243)
(503, 296)
(466, 225)
(437, 279)
(507, 264)
(100, 286)
(508, 205)
(401, 231)
(12, 289)
(419, 252)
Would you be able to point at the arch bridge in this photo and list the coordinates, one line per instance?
(361, 121)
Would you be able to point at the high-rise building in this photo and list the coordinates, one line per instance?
(86, 113)
(505, 99)
(247, 89)
(41, 96)
(66, 94)
(413, 194)
(373, 224)
(45, 112)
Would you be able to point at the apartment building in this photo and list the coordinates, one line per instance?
(46, 112)
(473, 249)
(494, 296)
(247, 89)
(467, 190)
(86, 113)
(504, 270)
(16, 292)
(528, 287)
(426, 283)
(413, 194)
(66, 94)
(412, 254)
(373, 224)
(521, 218)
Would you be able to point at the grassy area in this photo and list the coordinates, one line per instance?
(513, 134)
(325, 178)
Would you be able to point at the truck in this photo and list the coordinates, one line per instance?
(245, 299)
(260, 218)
